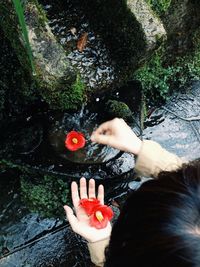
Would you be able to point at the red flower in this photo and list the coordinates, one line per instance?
(100, 216)
(89, 204)
(74, 140)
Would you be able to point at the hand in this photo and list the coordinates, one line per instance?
(80, 223)
(116, 133)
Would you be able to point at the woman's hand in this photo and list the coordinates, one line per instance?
(116, 133)
(80, 222)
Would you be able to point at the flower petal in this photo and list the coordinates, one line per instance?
(89, 204)
(74, 140)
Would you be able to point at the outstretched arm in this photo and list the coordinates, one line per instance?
(151, 157)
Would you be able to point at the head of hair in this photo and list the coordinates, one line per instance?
(159, 224)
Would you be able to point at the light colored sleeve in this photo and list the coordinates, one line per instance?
(153, 158)
(97, 251)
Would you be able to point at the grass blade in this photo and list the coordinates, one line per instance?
(20, 13)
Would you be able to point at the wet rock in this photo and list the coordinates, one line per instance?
(130, 30)
(181, 21)
(152, 26)
(179, 122)
(27, 239)
(53, 72)
(58, 248)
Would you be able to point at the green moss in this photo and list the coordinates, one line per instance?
(155, 77)
(76, 93)
(159, 6)
(159, 77)
(45, 195)
(42, 15)
(68, 94)
(190, 64)
(4, 165)
(119, 109)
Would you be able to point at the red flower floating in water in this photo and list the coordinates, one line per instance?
(74, 141)
(99, 214)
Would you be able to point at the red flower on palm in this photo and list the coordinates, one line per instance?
(99, 214)
(89, 204)
(74, 140)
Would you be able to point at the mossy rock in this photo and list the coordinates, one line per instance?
(129, 29)
(55, 80)
(119, 109)
(44, 195)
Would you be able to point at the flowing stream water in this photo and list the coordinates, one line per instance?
(68, 23)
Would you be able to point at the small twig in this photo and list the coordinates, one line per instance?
(197, 118)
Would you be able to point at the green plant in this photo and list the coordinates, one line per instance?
(159, 78)
(159, 6)
(155, 78)
(45, 195)
(20, 13)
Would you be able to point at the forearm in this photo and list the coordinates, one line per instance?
(152, 159)
(97, 252)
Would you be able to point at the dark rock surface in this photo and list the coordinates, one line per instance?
(177, 124)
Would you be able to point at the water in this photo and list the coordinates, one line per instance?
(84, 122)
(36, 141)
(68, 23)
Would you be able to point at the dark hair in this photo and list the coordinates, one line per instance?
(159, 224)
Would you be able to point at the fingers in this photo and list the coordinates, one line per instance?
(102, 139)
(83, 191)
(75, 194)
(103, 127)
(91, 189)
(71, 218)
(83, 188)
(100, 195)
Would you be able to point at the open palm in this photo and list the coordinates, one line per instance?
(80, 222)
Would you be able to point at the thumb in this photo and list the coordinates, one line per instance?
(101, 139)
(71, 217)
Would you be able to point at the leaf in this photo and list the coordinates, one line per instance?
(20, 13)
(82, 41)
